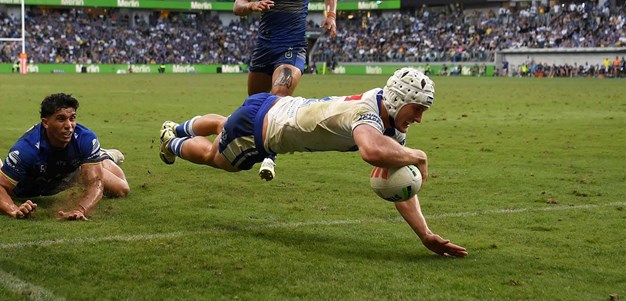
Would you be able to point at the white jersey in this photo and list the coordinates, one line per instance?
(297, 124)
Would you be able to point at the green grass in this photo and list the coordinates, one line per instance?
(499, 149)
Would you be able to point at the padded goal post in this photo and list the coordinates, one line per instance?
(23, 58)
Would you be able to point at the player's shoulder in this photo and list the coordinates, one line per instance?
(86, 139)
(27, 148)
(31, 139)
(82, 129)
(82, 132)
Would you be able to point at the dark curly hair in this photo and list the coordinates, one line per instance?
(55, 102)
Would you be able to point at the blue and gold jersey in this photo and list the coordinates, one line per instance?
(284, 25)
(37, 168)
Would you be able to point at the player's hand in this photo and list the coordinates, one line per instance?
(261, 6)
(24, 210)
(442, 246)
(72, 215)
(330, 25)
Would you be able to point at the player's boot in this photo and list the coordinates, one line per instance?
(266, 172)
(113, 154)
(166, 155)
(169, 125)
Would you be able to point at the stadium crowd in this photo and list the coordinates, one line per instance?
(432, 34)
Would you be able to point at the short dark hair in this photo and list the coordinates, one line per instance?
(55, 102)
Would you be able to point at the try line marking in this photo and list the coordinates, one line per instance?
(140, 237)
(21, 287)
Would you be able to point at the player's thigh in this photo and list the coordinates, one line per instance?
(285, 80)
(259, 82)
(219, 161)
(114, 180)
(111, 167)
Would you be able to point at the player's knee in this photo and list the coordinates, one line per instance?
(121, 191)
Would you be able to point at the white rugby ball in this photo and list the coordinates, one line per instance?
(396, 184)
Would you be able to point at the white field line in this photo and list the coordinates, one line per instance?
(23, 288)
(141, 237)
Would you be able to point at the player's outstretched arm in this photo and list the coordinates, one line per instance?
(412, 214)
(7, 206)
(91, 176)
(246, 7)
(382, 151)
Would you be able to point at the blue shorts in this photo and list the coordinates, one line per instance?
(266, 58)
(241, 140)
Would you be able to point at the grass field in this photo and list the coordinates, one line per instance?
(528, 174)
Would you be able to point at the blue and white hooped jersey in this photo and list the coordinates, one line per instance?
(35, 166)
(297, 124)
(284, 25)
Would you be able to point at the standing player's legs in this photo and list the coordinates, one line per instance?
(259, 82)
(285, 80)
(289, 65)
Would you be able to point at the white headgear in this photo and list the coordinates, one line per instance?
(405, 86)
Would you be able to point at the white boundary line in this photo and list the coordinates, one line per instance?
(140, 237)
(21, 287)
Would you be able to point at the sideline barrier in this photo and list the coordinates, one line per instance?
(125, 68)
(198, 5)
(352, 69)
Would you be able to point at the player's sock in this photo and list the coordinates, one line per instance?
(176, 145)
(185, 129)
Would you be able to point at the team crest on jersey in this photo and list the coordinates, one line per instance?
(289, 54)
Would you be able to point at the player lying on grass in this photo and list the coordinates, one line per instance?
(57, 154)
(373, 123)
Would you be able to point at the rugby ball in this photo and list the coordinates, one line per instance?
(396, 184)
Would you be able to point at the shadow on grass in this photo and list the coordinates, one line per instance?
(348, 247)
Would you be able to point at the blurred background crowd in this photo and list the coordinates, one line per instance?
(429, 34)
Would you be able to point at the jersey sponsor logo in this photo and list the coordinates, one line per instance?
(371, 117)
